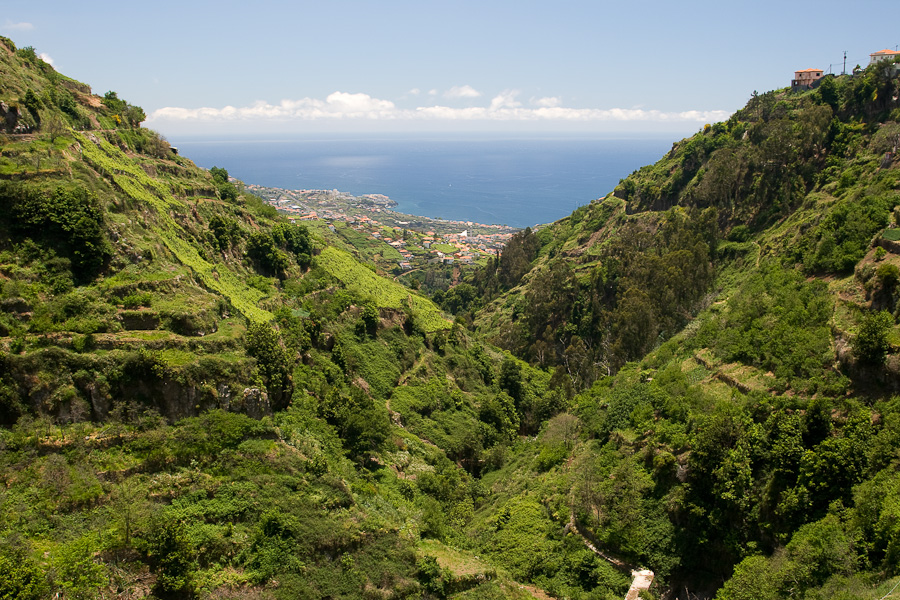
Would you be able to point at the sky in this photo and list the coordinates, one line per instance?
(596, 67)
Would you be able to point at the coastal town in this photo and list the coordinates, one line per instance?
(393, 241)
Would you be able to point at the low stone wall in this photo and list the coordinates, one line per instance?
(892, 247)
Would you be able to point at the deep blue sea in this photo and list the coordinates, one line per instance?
(518, 181)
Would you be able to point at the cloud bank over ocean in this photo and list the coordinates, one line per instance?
(344, 106)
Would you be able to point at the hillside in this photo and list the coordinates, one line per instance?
(732, 312)
(199, 398)
(694, 374)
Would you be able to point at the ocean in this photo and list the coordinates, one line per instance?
(517, 181)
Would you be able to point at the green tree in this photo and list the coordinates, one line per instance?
(754, 578)
(511, 378)
(20, 577)
(33, 104)
(458, 299)
(264, 343)
(171, 557)
(130, 506)
(431, 576)
(76, 572)
(370, 318)
(225, 231)
(54, 127)
(870, 346)
(816, 552)
(270, 259)
(294, 239)
(828, 92)
(28, 53)
(226, 189)
(134, 115)
(70, 220)
(219, 174)
(113, 103)
(499, 412)
(362, 424)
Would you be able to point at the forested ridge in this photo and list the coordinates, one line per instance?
(695, 374)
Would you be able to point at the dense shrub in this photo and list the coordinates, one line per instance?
(67, 219)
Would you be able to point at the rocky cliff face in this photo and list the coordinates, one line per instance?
(9, 119)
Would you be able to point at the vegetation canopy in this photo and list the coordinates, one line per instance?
(696, 374)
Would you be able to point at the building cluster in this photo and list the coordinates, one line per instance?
(371, 216)
(807, 79)
(418, 249)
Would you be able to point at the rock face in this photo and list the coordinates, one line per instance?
(136, 320)
(175, 400)
(69, 386)
(9, 117)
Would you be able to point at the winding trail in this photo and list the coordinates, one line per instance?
(641, 579)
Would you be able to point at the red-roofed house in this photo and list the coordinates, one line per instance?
(806, 79)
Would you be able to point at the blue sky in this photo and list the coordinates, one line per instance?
(200, 67)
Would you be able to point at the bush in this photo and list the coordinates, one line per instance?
(269, 258)
(870, 346)
(20, 577)
(79, 575)
(68, 220)
(137, 300)
(170, 555)
(842, 238)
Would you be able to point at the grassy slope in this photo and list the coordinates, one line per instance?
(383, 292)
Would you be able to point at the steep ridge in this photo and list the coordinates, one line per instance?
(744, 290)
(799, 179)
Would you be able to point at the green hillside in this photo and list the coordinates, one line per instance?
(201, 399)
(729, 316)
(694, 375)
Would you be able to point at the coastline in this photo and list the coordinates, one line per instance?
(518, 182)
(395, 242)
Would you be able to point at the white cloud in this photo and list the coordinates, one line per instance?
(505, 99)
(10, 26)
(549, 102)
(432, 92)
(446, 113)
(414, 92)
(464, 91)
(46, 58)
(358, 106)
(339, 105)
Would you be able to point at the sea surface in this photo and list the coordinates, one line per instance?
(519, 181)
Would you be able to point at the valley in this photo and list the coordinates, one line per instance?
(684, 389)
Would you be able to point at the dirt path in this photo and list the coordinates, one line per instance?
(617, 563)
(537, 593)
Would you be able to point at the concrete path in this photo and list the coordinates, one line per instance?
(641, 581)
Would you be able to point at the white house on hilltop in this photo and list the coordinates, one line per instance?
(883, 55)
